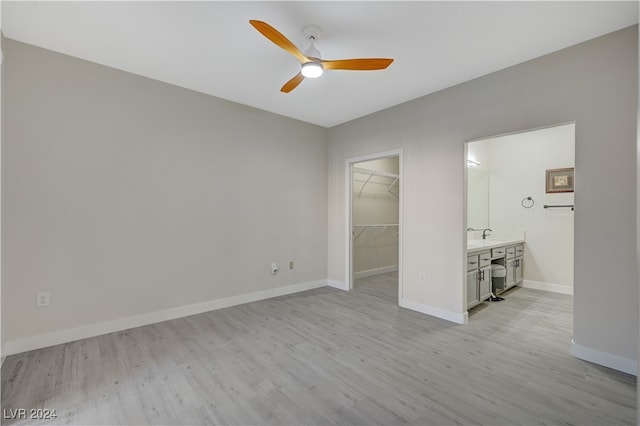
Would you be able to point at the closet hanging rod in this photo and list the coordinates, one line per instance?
(375, 182)
(365, 227)
(375, 173)
(553, 206)
(377, 225)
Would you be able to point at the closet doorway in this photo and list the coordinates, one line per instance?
(375, 191)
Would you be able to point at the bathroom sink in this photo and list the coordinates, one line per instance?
(475, 244)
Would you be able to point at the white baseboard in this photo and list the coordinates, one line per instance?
(338, 284)
(606, 359)
(72, 334)
(555, 288)
(377, 271)
(458, 318)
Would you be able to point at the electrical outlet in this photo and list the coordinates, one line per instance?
(274, 268)
(421, 277)
(42, 299)
(291, 264)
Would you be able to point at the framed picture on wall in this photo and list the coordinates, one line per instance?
(560, 180)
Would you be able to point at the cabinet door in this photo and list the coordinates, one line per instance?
(485, 283)
(510, 279)
(517, 273)
(472, 289)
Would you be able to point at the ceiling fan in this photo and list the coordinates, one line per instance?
(312, 65)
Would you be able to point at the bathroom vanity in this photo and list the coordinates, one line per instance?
(492, 264)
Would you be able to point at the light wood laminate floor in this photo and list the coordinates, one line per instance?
(327, 357)
(384, 286)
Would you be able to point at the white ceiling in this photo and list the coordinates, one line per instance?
(209, 46)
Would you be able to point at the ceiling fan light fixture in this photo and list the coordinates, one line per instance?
(311, 64)
(312, 70)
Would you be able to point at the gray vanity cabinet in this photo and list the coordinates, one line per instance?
(480, 284)
(510, 279)
(484, 279)
(472, 289)
(513, 263)
(518, 264)
(484, 284)
(478, 278)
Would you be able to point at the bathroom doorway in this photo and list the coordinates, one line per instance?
(374, 206)
(509, 193)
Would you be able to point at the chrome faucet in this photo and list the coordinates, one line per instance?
(484, 233)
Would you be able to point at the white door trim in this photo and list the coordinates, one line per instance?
(349, 162)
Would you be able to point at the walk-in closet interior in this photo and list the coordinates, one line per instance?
(375, 227)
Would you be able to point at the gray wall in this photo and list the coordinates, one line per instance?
(123, 196)
(638, 208)
(1, 353)
(593, 84)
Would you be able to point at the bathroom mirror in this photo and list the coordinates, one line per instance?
(477, 185)
(477, 199)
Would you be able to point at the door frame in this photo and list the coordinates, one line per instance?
(349, 162)
(465, 190)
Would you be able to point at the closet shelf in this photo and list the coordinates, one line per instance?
(382, 226)
(377, 225)
(375, 173)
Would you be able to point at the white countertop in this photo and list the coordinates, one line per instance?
(475, 246)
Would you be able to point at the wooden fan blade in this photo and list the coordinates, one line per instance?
(293, 83)
(362, 64)
(276, 37)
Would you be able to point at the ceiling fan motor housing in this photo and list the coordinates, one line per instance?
(312, 34)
